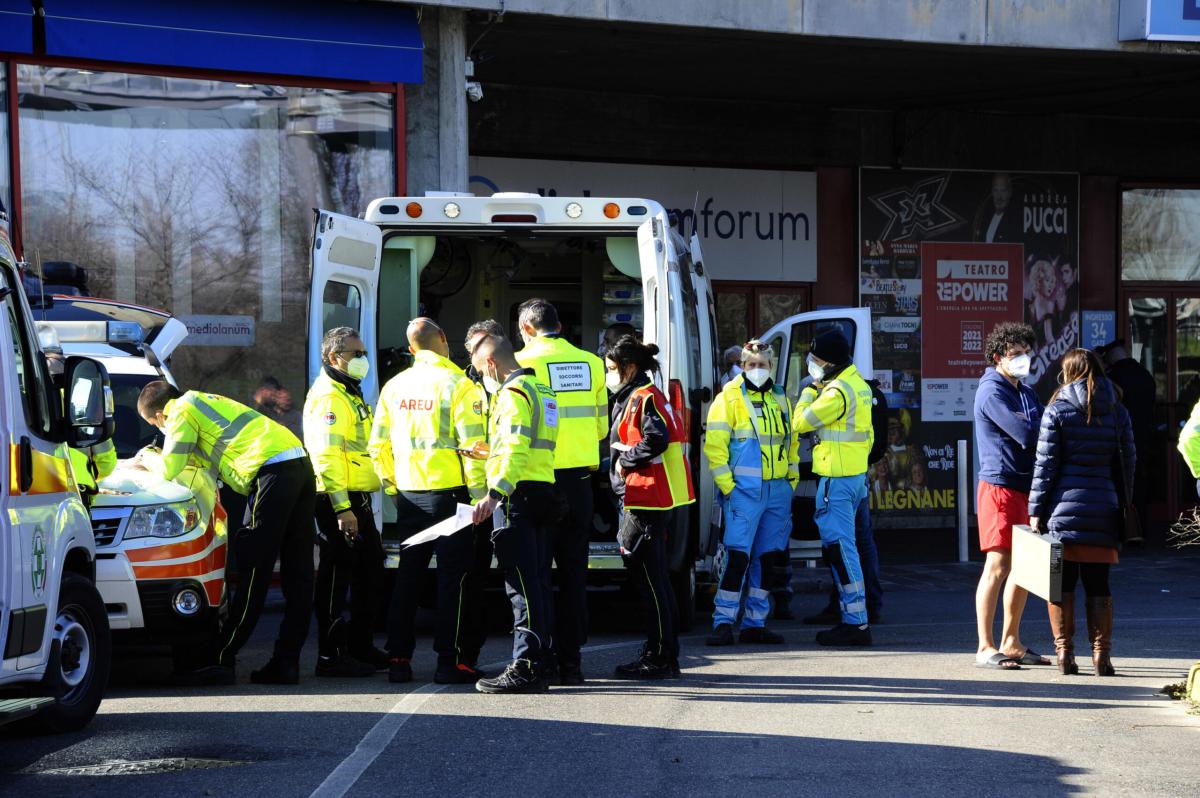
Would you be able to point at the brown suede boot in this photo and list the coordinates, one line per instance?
(1062, 624)
(1100, 624)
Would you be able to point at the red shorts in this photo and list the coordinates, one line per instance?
(998, 509)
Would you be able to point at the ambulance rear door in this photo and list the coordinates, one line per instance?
(656, 304)
(345, 283)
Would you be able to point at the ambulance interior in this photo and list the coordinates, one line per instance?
(594, 280)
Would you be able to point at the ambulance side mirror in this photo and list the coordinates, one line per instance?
(89, 403)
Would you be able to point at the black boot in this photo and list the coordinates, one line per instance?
(760, 634)
(721, 636)
(570, 674)
(845, 634)
(518, 677)
(343, 666)
(647, 667)
(371, 656)
(399, 670)
(457, 674)
(782, 609)
(276, 672)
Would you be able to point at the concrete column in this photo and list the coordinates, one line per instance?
(436, 110)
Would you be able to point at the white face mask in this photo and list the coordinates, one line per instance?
(613, 380)
(815, 371)
(490, 383)
(757, 377)
(1018, 366)
(358, 368)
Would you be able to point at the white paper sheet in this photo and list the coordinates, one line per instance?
(460, 519)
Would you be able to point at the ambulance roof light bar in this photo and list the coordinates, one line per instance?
(98, 332)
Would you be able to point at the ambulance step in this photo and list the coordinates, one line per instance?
(16, 708)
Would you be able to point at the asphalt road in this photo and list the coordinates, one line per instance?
(909, 716)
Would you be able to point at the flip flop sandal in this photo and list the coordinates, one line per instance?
(998, 662)
(1031, 657)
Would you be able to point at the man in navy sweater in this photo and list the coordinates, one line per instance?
(1007, 417)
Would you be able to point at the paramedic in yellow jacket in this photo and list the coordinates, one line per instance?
(263, 461)
(577, 379)
(1189, 444)
(426, 416)
(522, 428)
(752, 454)
(836, 411)
(337, 426)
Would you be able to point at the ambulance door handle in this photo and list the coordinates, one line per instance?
(25, 465)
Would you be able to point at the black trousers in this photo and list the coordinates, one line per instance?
(416, 511)
(278, 522)
(1094, 575)
(567, 545)
(519, 536)
(344, 568)
(474, 621)
(648, 570)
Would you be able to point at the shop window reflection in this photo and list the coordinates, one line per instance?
(1160, 234)
(196, 196)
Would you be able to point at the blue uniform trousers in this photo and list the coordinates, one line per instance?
(838, 500)
(755, 523)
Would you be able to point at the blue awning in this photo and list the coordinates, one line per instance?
(16, 26)
(308, 38)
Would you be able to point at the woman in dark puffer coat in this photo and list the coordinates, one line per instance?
(1075, 499)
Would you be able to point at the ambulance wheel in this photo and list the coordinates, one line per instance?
(683, 584)
(80, 673)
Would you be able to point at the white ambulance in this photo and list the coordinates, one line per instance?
(54, 635)
(160, 547)
(459, 258)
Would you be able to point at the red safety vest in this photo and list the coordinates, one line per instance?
(667, 481)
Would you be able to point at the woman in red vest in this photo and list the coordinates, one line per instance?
(650, 477)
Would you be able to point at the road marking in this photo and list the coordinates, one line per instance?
(376, 741)
(343, 777)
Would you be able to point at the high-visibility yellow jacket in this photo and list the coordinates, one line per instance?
(748, 438)
(423, 415)
(337, 427)
(235, 440)
(522, 431)
(1189, 441)
(93, 464)
(577, 379)
(840, 415)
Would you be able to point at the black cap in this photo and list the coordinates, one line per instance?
(832, 347)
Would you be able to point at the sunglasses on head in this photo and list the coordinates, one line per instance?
(756, 346)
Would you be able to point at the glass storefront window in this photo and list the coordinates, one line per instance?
(196, 196)
(1160, 234)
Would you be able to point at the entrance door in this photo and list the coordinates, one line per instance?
(1163, 333)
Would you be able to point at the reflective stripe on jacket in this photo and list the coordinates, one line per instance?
(666, 481)
(840, 415)
(577, 379)
(522, 431)
(93, 464)
(748, 438)
(424, 414)
(234, 439)
(337, 426)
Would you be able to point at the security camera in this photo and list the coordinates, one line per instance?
(474, 91)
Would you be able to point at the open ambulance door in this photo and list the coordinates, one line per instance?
(656, 304)
(791, 339)
(344, 287)
(703, 394)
